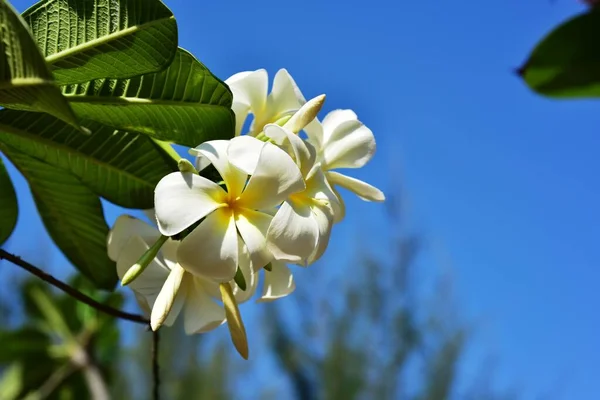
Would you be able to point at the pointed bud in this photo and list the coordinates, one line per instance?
(139, 267)
(166, 297)
(305, 114)
(186, 166)
(234, 320)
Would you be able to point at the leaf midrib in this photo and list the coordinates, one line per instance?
(102, 40)
(17, 132)
(124, 101)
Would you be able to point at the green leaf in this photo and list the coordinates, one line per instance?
(9, 208)
(26, 83)
(567, 62)
(122, 167)
(84, 40)
(184, 104)
(72, 215)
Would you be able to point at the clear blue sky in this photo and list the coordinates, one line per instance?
(502, 183)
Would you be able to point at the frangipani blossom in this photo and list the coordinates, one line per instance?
(300, 230)
(250, 96)
(164, 290)
(342, 141)
(229, 216)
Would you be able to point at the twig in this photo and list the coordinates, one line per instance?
(71, 291)
(155, 369)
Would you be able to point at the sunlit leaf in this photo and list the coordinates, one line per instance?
(26, 83)
(119, 166)
(84, 40)
(185, 104)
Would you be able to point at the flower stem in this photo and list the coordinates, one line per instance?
(71, 291)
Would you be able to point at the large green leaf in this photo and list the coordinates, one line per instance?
(567, 62)
(26, 83)
(9, 208)
(72, 215)
(184, 104)
(84, 39)
(122, 167)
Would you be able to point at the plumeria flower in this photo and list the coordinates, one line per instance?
(250, 96)
(342, 141)
(227, 217)
(164, 290)
(300, 230)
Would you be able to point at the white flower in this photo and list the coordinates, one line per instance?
(250, 96)
(300, 230)
(164, 290)
(227, 216)
(342, 141)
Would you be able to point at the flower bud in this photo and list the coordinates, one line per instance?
(305, 114)
(139, 267)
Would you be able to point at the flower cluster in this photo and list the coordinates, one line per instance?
(275, 204)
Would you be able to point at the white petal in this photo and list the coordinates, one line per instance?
(293, 234)
(334, 119)
(244, 152)
(318, 188)
(362, 189)
(339, 207)
(168, 299)
(250, 88)
(250, 276)
(211, 249)
(181, 199)
(253, 227)
(303, 152)
(285, 97)
(124, 228)
(279, 282)
(349, 145)
(241, 111)
(314, 131)
(324, 219)
(216, 152)
(276, 177)
(151, 280)
(201, 313)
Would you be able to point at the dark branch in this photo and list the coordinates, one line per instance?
(155, 371)
(71, 291)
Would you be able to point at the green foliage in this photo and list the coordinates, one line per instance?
(184, 104)
(84, 40)
(8, 205)
(26, 82)
(72, 214)
(126, 91)
(566, 63)
(63, 349)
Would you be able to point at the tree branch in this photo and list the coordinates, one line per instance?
(155, 370)
(71, 291)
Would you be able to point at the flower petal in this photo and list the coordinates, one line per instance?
(250, 276)
(253, 227)
(285, 97)
(168, 300)
(335, 118)
(349, 144)
(249, 93)
(181, 199)
(324, 219)
(123, 229)
(211, 250)
(276, 177)
(151, 280)
(244, 152)
(293, 234)
(339, 207)
(314, 131)
(318, 188)
(202, 313)
(216, 152)
(279, 282)
(362, 189)
(303, 152)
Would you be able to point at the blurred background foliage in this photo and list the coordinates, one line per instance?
(381, 332)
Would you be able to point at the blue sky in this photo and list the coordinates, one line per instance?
(502, 183)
